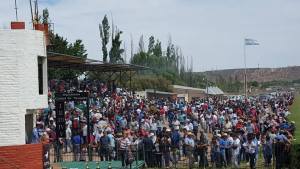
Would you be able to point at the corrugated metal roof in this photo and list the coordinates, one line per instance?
(187, 88)
(158, 92)
(63, 61)
(213, 90)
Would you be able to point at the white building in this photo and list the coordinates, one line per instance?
(23, 83)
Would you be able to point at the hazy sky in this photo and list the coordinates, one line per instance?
(210, 31)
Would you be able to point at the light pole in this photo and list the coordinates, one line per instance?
(206, 86)
(246, 43)
(245, 71)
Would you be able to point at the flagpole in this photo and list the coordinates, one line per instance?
(245, 71)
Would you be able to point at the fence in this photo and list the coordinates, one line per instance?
(133, 158)
(149, 159)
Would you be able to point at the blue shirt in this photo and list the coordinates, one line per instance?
(77, 139)
(281, 138)
(223, 143)
(35, 136)
(175, 138)
(267, 147)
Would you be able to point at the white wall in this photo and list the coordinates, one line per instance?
(19, 51)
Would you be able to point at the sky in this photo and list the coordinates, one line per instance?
(210, 33)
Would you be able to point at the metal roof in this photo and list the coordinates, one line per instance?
(158, 92)
(187, 88)
(213, 90)
(63, 61)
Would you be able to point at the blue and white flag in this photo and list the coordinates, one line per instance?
(251, 42)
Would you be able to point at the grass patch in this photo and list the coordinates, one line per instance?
(295, 116)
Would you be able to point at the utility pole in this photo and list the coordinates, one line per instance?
(16, 8)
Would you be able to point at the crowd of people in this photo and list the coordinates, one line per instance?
(213, 131)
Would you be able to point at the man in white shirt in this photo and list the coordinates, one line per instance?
(189, 126)
(68, 146)
(228, 125)
(236, 146)
(190, 144)
(176, 123)
(250, 147)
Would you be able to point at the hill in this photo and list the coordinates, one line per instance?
(255, 74)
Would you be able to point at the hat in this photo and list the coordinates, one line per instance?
(218, 135)
(168, 130)
(190, 133)
(151, 134)
(39, 123)
(224, 134)
(51, 119)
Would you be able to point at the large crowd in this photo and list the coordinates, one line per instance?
(213, 131)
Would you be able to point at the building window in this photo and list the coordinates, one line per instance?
(41, 61)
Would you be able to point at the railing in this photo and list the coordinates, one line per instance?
(79, 153)
(151, 159)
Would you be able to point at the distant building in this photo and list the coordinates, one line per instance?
(150, 93)
(23, 83)
(214, 91)
(188, 93)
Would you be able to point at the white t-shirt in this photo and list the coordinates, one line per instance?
(68, 133)
(236, 143)
(228, 125)
(84, 131)
(250, 147)
(189, 141)
(165, 108)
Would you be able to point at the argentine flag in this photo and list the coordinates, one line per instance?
(251, 42)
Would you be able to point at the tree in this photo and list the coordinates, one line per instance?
(78, 49)
(151, 45)
(141, 44)
(157, 51)
(115, 53)
(62, 46)
(104, 35)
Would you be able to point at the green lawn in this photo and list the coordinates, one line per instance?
(295, 116)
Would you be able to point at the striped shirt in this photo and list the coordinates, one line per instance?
(124, 143)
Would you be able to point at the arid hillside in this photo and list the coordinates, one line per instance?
(256, 74)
